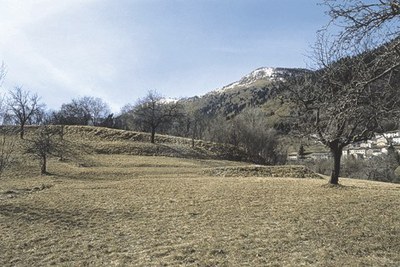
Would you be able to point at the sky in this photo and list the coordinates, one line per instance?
(118, 50)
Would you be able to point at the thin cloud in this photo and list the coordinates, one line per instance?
(117, 50)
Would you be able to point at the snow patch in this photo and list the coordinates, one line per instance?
(266, 73)
(168, 101)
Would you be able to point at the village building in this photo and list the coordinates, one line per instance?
(375, 147)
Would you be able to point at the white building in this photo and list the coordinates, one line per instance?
(392, 134)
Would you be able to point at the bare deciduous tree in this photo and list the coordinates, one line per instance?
(97, 108)
(23, 107)
(346, 101)
(360, 20)
(153, 111)
(366, 25)
(354, 91)
(194, 121)
(44, 143)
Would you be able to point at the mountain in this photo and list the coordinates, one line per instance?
(252, 90)
(258, 76)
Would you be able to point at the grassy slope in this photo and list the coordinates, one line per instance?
(156, 211)
(112, 141)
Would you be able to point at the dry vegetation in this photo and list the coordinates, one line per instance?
(131, 210)
(292, 171)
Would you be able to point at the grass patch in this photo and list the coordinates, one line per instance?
(133, 210)
(123, 208)
(112, 141)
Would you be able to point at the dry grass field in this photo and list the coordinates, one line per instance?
(131, 210)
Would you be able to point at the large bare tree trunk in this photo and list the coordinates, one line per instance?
(336, 152)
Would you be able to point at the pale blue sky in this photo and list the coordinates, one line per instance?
(120, 49)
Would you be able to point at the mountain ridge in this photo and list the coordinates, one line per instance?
(269, 74)
(252, 90)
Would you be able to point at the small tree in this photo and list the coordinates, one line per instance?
(301, 153)
(196, 120)
(153, 111)
(23, 107)
(44, 144)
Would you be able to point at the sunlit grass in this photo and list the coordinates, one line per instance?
(125, 210)
(131, 210)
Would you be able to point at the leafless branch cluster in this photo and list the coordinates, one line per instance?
(152, 111)
(354, 90)
(23, 106)
(46, 141)
(349, 98)
(360, 20)
(343, 113)
(363, 27)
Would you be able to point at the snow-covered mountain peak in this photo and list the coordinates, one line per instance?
(264, 73)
